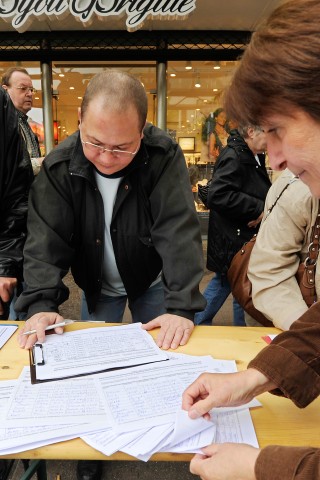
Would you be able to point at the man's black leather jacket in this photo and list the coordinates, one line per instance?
(154, 228)
(15, 180)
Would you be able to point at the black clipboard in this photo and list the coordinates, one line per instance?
(36, 359)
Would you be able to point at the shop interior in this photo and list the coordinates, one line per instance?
(194, 91)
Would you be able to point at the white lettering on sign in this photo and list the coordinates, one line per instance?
(137, 11)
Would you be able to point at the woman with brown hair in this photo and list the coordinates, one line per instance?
(277, 86)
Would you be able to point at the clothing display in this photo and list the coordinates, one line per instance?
(154, 228)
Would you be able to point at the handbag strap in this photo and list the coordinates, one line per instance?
(313, 249)
(278, 196)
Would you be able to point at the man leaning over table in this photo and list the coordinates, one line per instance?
(114, 203)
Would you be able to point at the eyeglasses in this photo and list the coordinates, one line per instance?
(92, 147)
(26, 89)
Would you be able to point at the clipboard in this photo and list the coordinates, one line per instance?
(37, 359)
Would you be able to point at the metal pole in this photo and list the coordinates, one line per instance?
(162, 95)
(46, 82)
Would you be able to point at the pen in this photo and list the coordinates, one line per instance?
(51, 327)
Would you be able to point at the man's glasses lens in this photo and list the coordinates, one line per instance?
(27, 89)
(97, 148)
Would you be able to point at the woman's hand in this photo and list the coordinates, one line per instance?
(227, 461)
(223, 390)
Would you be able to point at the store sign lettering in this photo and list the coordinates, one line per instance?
(137, 11)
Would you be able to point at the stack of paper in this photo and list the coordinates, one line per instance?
(6, 330)
(136, 409)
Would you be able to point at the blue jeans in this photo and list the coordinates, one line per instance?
(13, 315)
(216, 293)
(111, 309)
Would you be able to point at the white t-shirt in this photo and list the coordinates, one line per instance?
(111, 281)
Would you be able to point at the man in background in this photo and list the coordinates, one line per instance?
(15, 180)
(18, 84)
(236, 199)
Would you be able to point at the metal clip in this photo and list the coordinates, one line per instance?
(37, 353)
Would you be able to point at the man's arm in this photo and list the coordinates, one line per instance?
(177, 238)
(15, 180)
(48, 250)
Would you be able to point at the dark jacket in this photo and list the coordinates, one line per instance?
(154, 227)
(236, 196)
(15, 180)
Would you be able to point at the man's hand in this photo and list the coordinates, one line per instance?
(38, 322)
(227, 461)
(223, 390)
(174, 331)
(7, 285)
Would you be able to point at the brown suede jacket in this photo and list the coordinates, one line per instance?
(292, 362)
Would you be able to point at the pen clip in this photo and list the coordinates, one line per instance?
(37, 354)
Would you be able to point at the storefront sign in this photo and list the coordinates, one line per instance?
(137, 11)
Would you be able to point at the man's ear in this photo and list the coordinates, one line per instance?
(5, 87)
(250, 132)
(79, 115)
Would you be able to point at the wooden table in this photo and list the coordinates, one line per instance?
(278, 422)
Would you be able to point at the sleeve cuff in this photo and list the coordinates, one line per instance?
(278, 463)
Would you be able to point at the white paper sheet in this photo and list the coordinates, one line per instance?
(96, 349)
(16, 439)
(6, 331)
(149, 395)
(183, 432)
(235, 427)
(72, 401)
(135, 410)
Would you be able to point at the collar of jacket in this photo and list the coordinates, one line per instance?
(240, 146)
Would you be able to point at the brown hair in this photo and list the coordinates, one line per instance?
(7, 74)
(281, 66)
(117, 90)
